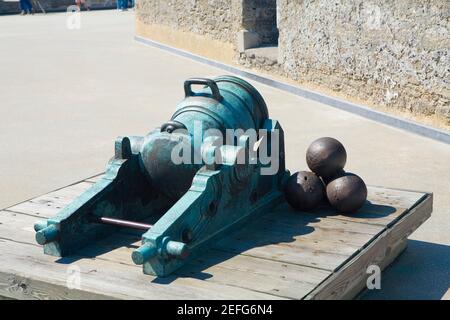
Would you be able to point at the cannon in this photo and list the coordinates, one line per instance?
(183, 184)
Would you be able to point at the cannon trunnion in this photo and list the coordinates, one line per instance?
(200, 175)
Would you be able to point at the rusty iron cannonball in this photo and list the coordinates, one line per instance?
(326, 156)
(304, 190)
(347, 193)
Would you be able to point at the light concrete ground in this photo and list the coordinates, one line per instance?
(66, 94)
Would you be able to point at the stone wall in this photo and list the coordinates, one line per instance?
(214, 19)
(393, 53)
(187, 24)
(180, 22)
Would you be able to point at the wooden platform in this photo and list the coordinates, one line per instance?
(283, 255)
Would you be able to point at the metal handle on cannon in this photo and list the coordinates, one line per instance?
(202, 81)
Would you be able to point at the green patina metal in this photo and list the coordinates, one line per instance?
(190, 204)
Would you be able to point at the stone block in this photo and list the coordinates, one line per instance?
(247, 39)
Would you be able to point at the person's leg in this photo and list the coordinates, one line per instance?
(85, 4)
(22, 7)
(28, 6)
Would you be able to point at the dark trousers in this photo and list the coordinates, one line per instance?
(122, 4)
(25, 5)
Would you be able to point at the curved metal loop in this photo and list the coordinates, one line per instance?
(202, 81)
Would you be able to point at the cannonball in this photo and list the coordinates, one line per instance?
(326, 156)
(304, 190)
(347, 193)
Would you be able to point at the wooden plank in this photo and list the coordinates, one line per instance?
(15, 286)
(279, 279)
(285, 254)
(325, 248)
(332, 242)
(49, 204)
(266, 276)
(381, 209)
(273, 277)
(417, 216)
(18, 227)
(384, 207)
(98, 277)
(350, 279)
(290, 237)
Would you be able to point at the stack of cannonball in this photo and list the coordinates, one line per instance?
(345, 191)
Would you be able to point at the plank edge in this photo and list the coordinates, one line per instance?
(388, 239)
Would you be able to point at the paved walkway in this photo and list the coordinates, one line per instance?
(66, 94)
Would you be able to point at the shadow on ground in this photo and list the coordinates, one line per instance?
(421, 272)
(255, 233)
(283, 225)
